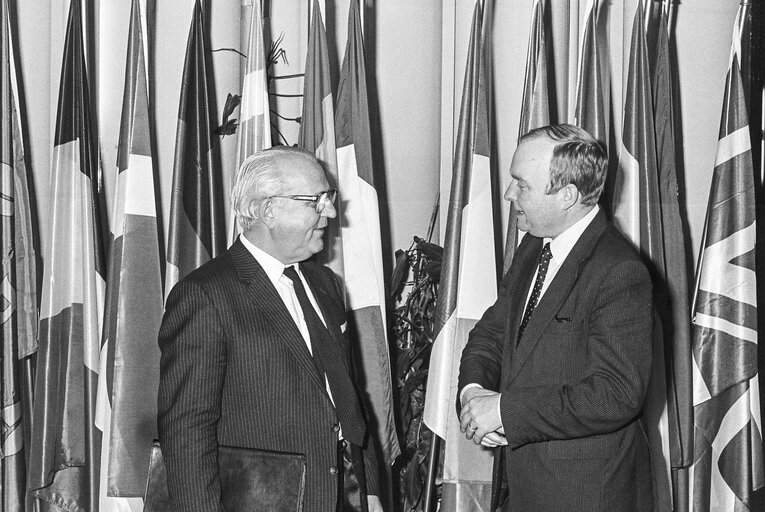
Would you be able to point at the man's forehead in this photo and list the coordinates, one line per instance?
(534, 151)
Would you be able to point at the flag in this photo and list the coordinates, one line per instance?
(639, 216)
(65, 449)
(129, 376)
(727, 459)
(535, 106)
(317, 128)
(255, 120)
(673, 302)
(467, 287)
(590, 111)
(196, 221)
(361, 239)
(19, 280)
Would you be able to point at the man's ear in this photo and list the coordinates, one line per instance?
(266, 212)
(569, 196)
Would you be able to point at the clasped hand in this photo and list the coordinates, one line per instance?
(479, 418)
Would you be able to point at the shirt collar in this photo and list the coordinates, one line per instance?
(562, 244)
(272, 266)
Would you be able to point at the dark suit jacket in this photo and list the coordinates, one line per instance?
(573, 388)
(236, 371)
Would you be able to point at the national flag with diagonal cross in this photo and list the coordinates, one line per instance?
(18, 290)
(317, 127)
(255, 119)
(129, 376)
(361, 239)
(727, 459)
(66, 446)
(197, 232)
(467, 287)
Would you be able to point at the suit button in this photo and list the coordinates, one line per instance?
(336, 427)
(333, 470)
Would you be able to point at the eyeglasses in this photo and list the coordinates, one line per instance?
(319, 201)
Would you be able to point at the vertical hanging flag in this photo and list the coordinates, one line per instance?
(468, 286)
(18, 290)
(361, 240)
(255, 120)
(638, 160)
(196, 220)
(672, 300)
(590, 112)
(65, 450)
(728, 464)
(129, 376)
(535, 106)
(317, 128)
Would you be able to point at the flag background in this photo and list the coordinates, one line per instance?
(417, 117)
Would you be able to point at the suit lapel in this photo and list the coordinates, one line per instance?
(556, 293)
(270, 306)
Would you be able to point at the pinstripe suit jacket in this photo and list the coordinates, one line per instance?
(573, 388)
(236, 371)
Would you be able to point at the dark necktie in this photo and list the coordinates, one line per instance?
(329, 361)
(544, 263)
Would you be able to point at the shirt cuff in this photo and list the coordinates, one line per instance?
(468, 386)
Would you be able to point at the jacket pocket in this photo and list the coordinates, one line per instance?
(594, 447)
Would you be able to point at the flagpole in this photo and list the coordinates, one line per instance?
(430, 481)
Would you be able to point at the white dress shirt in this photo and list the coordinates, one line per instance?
(275, 271)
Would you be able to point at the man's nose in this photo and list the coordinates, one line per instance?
(511, 193)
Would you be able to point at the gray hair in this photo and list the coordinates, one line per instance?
(577, 159)
(258, 178)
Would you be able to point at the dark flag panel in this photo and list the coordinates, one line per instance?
(197, 232)
(590, 111)
(129, 373)
(727, 453)
(65, 450)
(672, 299)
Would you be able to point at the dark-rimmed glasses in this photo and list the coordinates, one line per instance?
(319, 201)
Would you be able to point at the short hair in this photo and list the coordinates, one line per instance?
(577, 159)
(258, 178)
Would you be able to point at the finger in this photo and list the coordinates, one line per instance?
(495, 439)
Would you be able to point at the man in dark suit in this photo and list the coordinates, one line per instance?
(254, 350)
(556, 371)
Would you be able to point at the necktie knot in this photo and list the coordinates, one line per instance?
(291, 273)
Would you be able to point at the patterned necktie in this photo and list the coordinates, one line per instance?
(329, 361)
(544, 263)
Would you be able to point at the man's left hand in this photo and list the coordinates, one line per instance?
(480, 415)
(373, 503)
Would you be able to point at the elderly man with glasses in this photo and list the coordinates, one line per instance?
(254, 348)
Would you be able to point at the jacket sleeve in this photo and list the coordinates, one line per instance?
(481, 361)
(192, 369)
(618, 344)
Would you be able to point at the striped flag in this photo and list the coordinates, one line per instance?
(467, 287)
(255, 120)
(18, 291)
(639, 216)
(129, 376)
(317, 128)
(197, 232)
(362, 246)
(672, 300)
(590, 111)
(728, 464)
(535, 106)
(66, 446)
